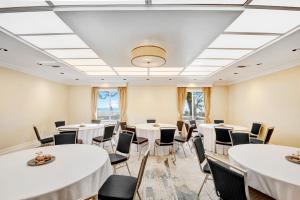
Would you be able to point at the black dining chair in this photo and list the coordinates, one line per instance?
(222, 137)
(59, 123)
(96, 121)
(107, 136)
(204, 167)
(193, 124)
(218, 121)
(151, 121)
(122, 153)
(255, 129)
(122, 187)
(44, 141)
(179, 125)
(238, 138)
(230, 181)
(268, 136)
(166, 139)
(184, 140)
(65, 138)
(71, 130)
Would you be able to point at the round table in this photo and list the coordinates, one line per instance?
(86, 132)
(209, 141)
(77, 172)
(151, 132)
(268, 170)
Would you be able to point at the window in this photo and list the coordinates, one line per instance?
(108, 105)
(194, 106)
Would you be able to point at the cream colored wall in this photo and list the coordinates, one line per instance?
(273, 100)
(27, 101)
(159, 102)
(80, 104)
(219, 103)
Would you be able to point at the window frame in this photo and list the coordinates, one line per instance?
(110, 105)
(191, 117)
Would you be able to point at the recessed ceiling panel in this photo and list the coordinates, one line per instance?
(212, 62)
(166, 73)
(210, 2)
(55, 41)
(133, 73)
(285, 3)
(265, 21)
(78, 62)
(21, 3)
(73, 53)
(104, 73)
(195, 73)
(33, 23)
(224, 53)
(241, 41)
(201, 69)
(94, 68)
(96, 2)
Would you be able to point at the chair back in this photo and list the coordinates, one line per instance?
(59, 123)
(229, 184)
(167, 135)
(239, 138)
(269, 135)
(142, 169)
(256, 128)
(117, 126)
(123, 125)
(200, 152)
(187, 126)
(193, 122)
(124, 143)
(179, 125)
(190, 133)
(151, 121)
(108, 132)
(96, 121)
(37, 133)
(218, 121)
(65, 138)
(222, 135)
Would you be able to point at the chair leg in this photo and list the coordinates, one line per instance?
(205, 179)
(114, 169)
(128, 168)
(183, 149)
(112, 147)
(189, 146)
(139, 195)
(174, 153)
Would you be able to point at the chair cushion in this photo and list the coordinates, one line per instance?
(206, 168)
(116, 158)
(140, 140)
(47, 140)
(157, 141)
(118, 187)
(99, 139)
(256, 141)
(179, 139)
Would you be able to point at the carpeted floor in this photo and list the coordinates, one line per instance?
(166, 180)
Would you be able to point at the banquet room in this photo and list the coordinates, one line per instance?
(150, 99)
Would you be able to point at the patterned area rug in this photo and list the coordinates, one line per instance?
(165, 180)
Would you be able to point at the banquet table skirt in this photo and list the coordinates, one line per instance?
(77, 173)
(268, 170)
(208, 130)
(86, 133)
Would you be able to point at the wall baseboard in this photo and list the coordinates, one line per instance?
(25, 145)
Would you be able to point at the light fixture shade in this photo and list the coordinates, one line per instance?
(148, 56)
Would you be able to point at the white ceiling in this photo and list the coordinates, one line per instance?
(111, 33)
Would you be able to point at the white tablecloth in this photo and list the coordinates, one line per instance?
(86, 133)
(151, 132)
(268, 170)
(78, 172)
(208, 130)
